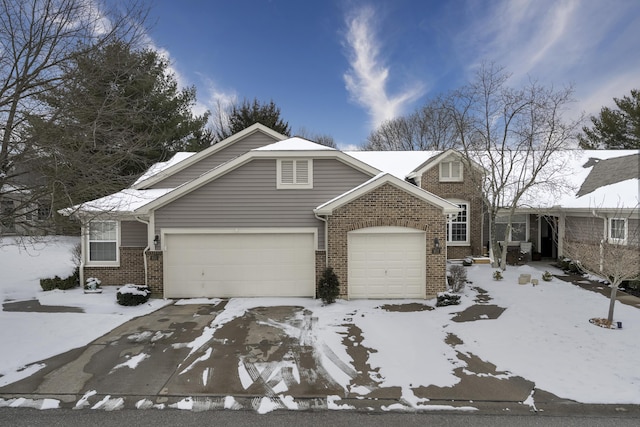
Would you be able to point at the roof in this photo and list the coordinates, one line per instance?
(294, 144)
(156, 168)
(609, 171)
(397, 163)
(378, 180)
(125, 201)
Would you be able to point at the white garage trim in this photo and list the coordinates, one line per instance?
(386, 262)
(230, 263)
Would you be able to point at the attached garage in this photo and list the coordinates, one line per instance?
(386, 262)
(239, 263)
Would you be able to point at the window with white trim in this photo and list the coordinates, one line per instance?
(295, 173)
(103, 242)
(518, 227)
(618, 230)
(458, 227)
(451, 170)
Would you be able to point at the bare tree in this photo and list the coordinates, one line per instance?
(320, 138)
(38, 39)
(428, 128)
(514, 135)
(606, 246)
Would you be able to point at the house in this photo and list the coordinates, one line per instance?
(605, 205)
(260, 214)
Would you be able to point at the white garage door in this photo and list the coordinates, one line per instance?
(239, 265)
(387, 262)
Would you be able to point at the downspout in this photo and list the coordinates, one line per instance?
(144, 252)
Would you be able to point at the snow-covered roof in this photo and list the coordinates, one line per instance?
(397, 163)
(156, 168)
(294, 144)
(125, 201)
(618, 195)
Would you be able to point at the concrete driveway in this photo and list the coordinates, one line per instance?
(175, 353)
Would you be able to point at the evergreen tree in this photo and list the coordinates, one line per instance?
(248, 113)
(617, 128)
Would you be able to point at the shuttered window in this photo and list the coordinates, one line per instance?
(295, 173)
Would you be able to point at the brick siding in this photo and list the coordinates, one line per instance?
(131, 269)
(387, 205)
(465, 190)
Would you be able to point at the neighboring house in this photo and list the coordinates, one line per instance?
(604, 204)
(261, 215)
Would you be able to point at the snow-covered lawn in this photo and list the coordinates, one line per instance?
(544, 335)
(28, 337)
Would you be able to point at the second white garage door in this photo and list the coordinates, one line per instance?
(386, 262)
(239, 265)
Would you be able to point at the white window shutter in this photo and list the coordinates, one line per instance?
(302, 172)
(286, 171)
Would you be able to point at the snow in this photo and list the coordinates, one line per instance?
(162, 166)
(127, 200)
(294, 144)
(543, 336)
(50, 333)
(397, 163)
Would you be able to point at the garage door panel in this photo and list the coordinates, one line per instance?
(387, 264)
(236, 265)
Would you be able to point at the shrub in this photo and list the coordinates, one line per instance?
(445, 299)
(133, 294)
(57, 282)
(328, 286)
(547, 276)
(497, 275)
(458, 276)
(92, 283)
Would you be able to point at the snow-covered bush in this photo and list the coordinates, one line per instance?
(92, 283)
(497, 275)
(444, 299)
(547, 276)
(59, 283)
(328, 286)
(133, 294)
(458, 277)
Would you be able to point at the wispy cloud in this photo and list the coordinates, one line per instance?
(586, 43)
(368, 76)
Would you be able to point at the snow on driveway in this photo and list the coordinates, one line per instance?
(544, 335)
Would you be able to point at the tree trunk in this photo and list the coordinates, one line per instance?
(614, 291)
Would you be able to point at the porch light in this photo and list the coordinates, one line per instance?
(156, 240)
(436, 246)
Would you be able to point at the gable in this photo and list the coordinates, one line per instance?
(192, 167)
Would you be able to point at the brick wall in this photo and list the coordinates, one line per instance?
(467, 191)
(155, 272)
(387, 206)
(131, 269)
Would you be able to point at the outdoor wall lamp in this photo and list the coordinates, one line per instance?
(436, 246)
(156, 240)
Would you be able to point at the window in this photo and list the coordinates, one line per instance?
(293, 174)
(458, 227)
(617, 230)
(451, 171)
(518, 228)
(103, 242)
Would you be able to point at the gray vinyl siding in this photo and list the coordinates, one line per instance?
(633, 231)
(133, 234)
(584, 229)
(230, 152)
(247, 197)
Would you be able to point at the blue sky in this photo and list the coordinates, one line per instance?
(342, 67)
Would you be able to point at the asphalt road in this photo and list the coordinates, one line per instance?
(69, 418)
